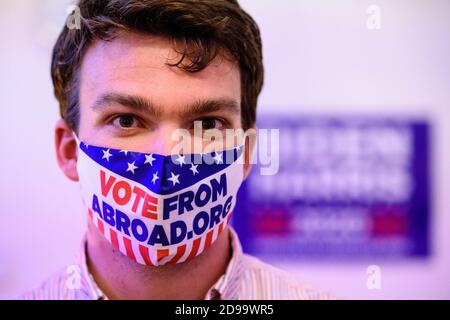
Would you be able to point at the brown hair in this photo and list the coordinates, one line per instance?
(203, 26)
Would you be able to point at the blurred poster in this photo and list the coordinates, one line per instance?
(346, 188)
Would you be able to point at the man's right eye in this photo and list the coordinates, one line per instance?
(125, 121)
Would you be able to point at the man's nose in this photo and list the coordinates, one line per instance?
(166, 140)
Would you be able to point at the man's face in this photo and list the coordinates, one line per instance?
(131, 99)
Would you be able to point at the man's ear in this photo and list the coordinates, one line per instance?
(251, 136)
(66, 150)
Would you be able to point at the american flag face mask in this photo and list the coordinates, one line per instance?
(159, 209)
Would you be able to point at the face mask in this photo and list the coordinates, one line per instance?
(159, 209)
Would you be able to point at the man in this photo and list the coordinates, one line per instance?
(134, 73)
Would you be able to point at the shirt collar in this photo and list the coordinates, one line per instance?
(93, 290)
(226, 287)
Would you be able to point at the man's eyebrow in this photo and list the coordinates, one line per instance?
(206, 106)
(137, 103)
(143, 105)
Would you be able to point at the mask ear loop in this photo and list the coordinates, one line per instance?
(78, 141)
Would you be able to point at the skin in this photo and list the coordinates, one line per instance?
(135, 65)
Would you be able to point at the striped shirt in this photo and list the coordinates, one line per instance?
(245, 278)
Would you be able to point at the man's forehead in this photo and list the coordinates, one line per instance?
(131, 52)
(136, 64)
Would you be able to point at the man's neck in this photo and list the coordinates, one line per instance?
(122, 278)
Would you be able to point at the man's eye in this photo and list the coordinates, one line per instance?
(125, 121)
(211, 123)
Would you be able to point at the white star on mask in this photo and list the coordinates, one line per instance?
(174, 179)
(180, 160)
(193, 168)
(131, 167)
(106, 155)
(155, 177)
(149, 159)
(218, 158)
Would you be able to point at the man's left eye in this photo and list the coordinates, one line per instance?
(211, 123)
